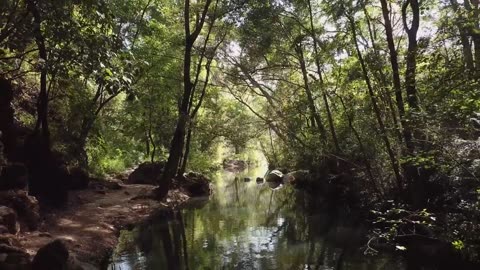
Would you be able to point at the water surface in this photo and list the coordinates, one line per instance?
(246, 225)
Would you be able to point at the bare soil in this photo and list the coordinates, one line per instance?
(91, 222)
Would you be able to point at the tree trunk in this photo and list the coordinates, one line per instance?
(476, 38)
(42, 104)
(311, 102)
(410, 73)
(178, 141)
(183, 168)
(466, 47)
(319, 71)
(407, 135)
(368, 167)
(383, 132)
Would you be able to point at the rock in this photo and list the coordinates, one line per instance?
(13, 176)
(53, 256)
(259, 180)
(7, 112)
(2, 158)
(8, 218)
(13, 258)
(274, 176)
(146, 173)
(196, 184)
(78, 178)
(26, 207)
(274, 184)
(100, 184)
(299, 178)
(247, 179)
(3, 229)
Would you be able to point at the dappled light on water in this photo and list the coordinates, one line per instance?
(249, 225)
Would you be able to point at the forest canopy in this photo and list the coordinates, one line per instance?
(387, 88)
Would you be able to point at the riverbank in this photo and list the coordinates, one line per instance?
(90, 224)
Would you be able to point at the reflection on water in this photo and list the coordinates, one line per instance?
(246, 225)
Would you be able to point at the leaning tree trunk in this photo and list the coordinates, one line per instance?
(311, 102)
(376, 109)
(319, 71)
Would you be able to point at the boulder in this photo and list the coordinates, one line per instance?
(146, 173)
(8, 219)
(274, 176)
(78, 178)
(2, 158)
(26, 207)
(13, 176)
(14, 258)
(299, 178)
(196, 184)
(53, 256)
(103, 184)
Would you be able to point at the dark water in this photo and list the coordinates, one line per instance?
(246, 225)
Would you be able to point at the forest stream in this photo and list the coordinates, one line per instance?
(250, 225)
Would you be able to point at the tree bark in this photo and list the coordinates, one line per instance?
(311, 102)
(466, 47)
(410, 73)
(178, 139)
(407, 135)
(381, 125)
(42, 104)
(319, 71)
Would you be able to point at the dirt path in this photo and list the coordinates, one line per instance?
(91, 223)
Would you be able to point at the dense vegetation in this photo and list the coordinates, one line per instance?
(385, 91)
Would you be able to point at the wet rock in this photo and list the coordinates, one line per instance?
(52, 256)
(146, 173)
(235, 165)
(8, 218)
(274, 176)
(196, 184)
(26, 207)
(259, 180)
(13, 176)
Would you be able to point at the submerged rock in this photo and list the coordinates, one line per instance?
(146, 173)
